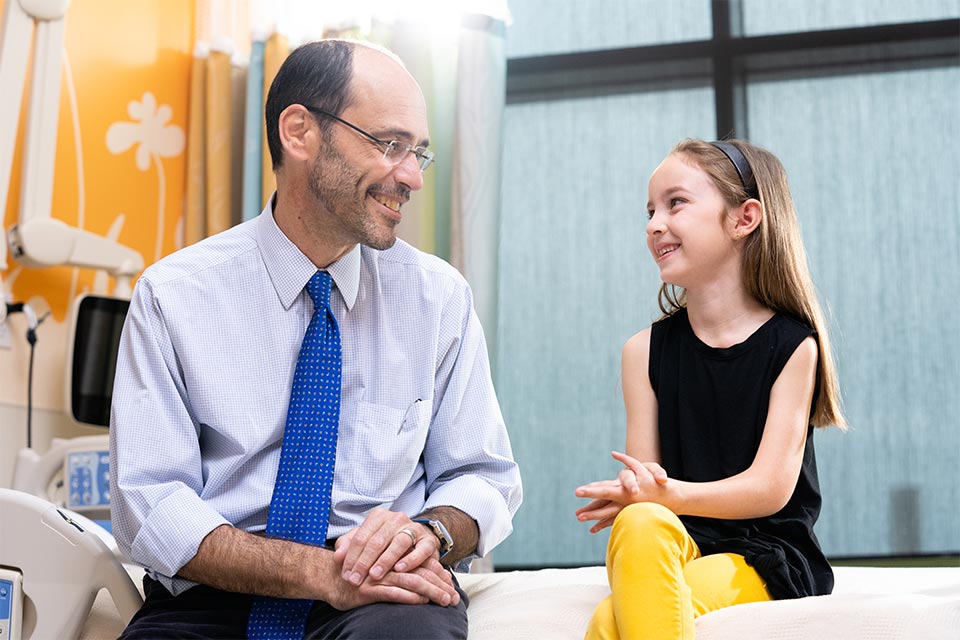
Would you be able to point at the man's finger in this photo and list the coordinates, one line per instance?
(425, 548)
(369, 542)
(425, 583)
(404, 540)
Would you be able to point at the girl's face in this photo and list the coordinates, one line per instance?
(690, 235)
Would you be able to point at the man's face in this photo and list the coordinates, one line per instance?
(350, 178)
(341, 189)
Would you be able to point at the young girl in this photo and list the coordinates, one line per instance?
(719, 494)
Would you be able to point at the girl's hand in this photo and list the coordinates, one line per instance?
(604, 511)
(642, 473)
(639, 482)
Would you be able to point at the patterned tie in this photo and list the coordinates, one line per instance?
(300, 507)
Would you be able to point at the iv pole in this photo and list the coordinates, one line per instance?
(38, 240)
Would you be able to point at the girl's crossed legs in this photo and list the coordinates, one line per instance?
(661, 583)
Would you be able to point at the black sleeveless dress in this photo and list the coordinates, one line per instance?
(712, 408)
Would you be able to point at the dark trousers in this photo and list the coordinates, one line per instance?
(205, 612)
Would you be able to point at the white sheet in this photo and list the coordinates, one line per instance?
(867, 604)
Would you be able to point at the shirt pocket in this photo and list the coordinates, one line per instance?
(386, 448)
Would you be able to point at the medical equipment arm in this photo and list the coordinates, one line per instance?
(39, 240)
(48, 242)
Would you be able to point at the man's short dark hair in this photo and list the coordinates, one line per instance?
(317, 74)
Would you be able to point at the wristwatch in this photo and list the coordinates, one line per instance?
(446, 542)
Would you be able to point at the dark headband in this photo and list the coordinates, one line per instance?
(740, 163)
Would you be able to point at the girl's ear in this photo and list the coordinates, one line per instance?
(746, 218)
(297, 133)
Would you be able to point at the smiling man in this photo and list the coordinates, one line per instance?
(305, 437)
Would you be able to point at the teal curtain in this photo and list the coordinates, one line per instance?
(873, 159)
(475, 185)
(253, 198)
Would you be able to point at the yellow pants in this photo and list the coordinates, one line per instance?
(659, 581)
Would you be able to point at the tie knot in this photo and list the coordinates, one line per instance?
(319, 289)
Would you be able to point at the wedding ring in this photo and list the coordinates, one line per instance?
(413, 536)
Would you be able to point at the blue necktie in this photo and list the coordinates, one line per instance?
(300, 507)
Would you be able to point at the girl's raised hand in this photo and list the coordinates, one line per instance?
(642, 472)
(636, 483)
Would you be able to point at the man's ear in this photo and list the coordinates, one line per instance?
(298, 136)
(746, 218)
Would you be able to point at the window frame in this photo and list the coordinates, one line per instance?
(726, 59)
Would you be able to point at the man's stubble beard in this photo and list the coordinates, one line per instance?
(335, 185)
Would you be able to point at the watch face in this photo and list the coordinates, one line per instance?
(446, 542)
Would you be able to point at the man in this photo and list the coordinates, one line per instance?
(207, 407)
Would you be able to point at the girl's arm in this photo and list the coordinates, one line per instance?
(643, 443)
(639, 400)
(766, 486)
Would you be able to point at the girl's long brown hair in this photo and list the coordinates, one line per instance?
(774, 269)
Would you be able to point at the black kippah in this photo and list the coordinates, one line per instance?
(741, 165)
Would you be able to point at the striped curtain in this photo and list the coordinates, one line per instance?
(229, 176)
(461, 68)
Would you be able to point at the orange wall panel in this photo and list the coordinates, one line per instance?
(120, 159)
(119, 171)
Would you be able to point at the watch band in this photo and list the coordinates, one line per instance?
(446, 542)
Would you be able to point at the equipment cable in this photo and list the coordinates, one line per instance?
(32, 323)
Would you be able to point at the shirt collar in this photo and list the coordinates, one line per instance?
(346, 273)
(290, 270)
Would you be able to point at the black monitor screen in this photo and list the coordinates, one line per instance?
(95, 345)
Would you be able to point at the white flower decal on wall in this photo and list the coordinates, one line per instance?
(154, 139)
(151, 131)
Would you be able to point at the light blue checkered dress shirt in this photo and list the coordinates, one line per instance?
(204, 374)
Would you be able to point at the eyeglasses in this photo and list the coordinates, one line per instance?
(393, 150)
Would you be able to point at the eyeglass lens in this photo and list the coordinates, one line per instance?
(396, 151)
